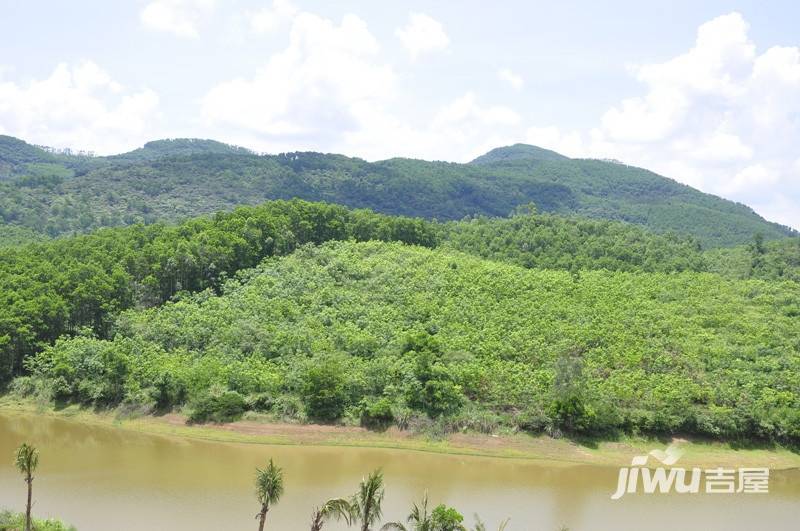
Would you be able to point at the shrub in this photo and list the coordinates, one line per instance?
(12, 521)
(38, 389)
(289, 407)
(217, 406)
(324, 393)
(376, 413)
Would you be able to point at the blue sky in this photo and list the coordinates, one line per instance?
(705, 92)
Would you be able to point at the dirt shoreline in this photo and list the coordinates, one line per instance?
(518, 446)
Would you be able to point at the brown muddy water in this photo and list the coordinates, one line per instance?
(103, 478)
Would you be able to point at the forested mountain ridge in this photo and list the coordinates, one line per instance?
(57, 193)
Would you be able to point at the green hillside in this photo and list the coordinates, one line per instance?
(177, 179)
(12, 235)
(518, 152)
(61, 286)
(16, 153)
(548, 241)
(178, 147)
(778, 260)
(384, 333)
(68, 284)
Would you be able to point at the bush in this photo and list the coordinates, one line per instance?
(376, 413)
(38, 389)
(532, 419)
(434, 391)
(476, 419)
(14, 521)
(324, 393)
(289, 407)
(445, 518)
(261, 402)
(572, 415)
(167, 391)
(217, 406)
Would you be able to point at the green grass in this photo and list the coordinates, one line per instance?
(10, 521)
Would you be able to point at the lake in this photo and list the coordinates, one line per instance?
(104, 478)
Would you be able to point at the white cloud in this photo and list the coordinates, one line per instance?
(721, 117)
(724, 116)
(268, 19)
(718, 146)
(330, 89)
(466, 108)
(325, 81)
(179, 17)
(513, 79)
(422, 35)
(77, 106)
(462, 129)
(569, 143)
(751, 178)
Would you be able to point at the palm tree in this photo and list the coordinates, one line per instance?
(27, 459)
(365, 505)
(269, 488)
(419, 518)
(337, 508)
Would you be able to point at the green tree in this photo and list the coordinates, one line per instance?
(419, 518)
(568, 408)
(338, 508)
(434, 389)
(445, 518)
(442, 518)
(323, 389)
(269, 489)
(366, 504)
(26, 461)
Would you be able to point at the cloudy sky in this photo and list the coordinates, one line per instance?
(707, 94)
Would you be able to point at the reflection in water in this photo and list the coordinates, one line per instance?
(101, 478)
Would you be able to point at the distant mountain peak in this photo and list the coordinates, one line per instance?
(181, 146)
(518, 152)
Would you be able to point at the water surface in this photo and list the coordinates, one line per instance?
(104, 478)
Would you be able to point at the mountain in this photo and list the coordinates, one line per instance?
(178, 147)
(15, 152)
(176, 179)
(517, 152)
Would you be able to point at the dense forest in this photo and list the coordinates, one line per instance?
(557, 242)
(59, 286)
(62, 193)
(303, 311)
(63, 285)
(386, 333)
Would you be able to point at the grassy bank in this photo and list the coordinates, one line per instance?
(10, 521)
(521, 446)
